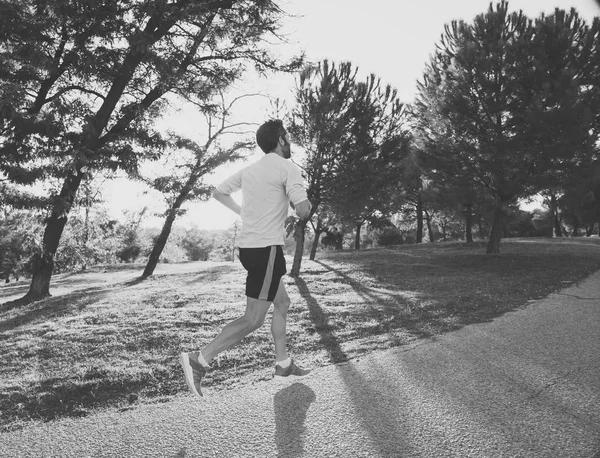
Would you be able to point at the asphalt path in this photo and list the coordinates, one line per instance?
(524, 385)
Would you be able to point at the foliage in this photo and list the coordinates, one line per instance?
(82, 84)
(17, 197)
(333, 238)
(19, 239)
(580, 201)
(320, 122)
(353, 138)
(524, 224)
(367, 179)
(453, 205)
(196, 245)
(500, 104)
(185, 181)
(130, 246)
(387, 236)
(94, 71)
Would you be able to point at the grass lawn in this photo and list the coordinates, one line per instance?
(106, 341)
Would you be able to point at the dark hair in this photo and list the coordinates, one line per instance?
(269, 133)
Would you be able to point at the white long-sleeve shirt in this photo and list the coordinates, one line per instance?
(267, 187)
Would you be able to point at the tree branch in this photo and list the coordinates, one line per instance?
(158, 91)
(55, 73)
(71, 88)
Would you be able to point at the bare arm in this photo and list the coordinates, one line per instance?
(228, 201)
(303, 209)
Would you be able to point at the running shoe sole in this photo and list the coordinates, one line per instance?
(184, 359)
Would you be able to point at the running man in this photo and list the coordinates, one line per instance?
(267, 187)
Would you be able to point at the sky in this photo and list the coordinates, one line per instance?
(390, 38)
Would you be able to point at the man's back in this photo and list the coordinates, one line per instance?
(267, 187)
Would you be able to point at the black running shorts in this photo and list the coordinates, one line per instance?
(265, 268)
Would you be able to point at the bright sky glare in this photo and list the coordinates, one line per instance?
(392, 39)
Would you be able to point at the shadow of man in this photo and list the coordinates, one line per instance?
(291, 405)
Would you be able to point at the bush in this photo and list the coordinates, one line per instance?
(525, 224)
(129, 253)
(196, 251)
(388, 236)
(20, 235)
(333, 238)
(196, 245)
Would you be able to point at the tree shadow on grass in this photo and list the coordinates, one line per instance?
(395, 311)
(424, 319)
(55, 398)
(208, 275)
(49, 308)
(136, 281)
(7, 306)
(388, 431)
(321, 324)
(62, 286)
(14, 290)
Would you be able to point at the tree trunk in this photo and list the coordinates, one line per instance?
(86, 229)
(161, 241)
(357, 236)
(493, 246)
(419, 220)
(44, 262)
(299, 236)
(159, 244)
(469, 222)
(339, 241)
(480, 228)
(429, 228)
(313, 250)
(555, 221)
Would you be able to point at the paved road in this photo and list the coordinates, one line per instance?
(525, 385)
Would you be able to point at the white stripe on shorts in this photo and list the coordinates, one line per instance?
(264, 292)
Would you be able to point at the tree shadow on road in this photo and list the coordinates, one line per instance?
(385, 428)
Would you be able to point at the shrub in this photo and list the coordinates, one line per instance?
(388, 236)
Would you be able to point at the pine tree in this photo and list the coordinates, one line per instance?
(501, 104)
(366, 181)
(320, 123)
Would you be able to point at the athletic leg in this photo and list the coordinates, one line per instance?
(233, 332)
(195, 363)
(285, 367)
(281, 305)
(265, 267)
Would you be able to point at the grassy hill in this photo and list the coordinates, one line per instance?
(105, 340)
